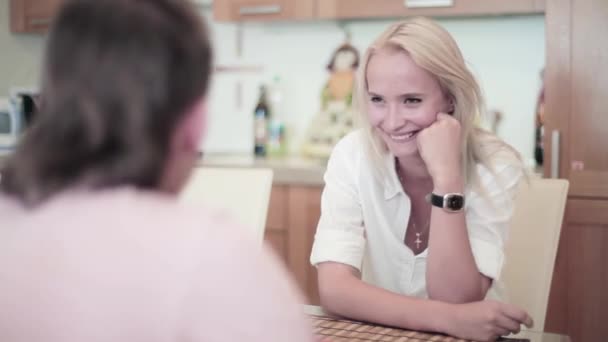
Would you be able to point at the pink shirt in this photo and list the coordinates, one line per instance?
(123, 265)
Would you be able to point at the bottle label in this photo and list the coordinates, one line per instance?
(260, 129)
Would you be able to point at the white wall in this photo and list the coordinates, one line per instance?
(505, 53)
(20, 55)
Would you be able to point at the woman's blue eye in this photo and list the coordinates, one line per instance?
(376, 99)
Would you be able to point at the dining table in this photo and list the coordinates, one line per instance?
(335, 329)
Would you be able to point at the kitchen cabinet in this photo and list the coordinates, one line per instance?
(578, 303)
(32, 16)
(263, 10)
(576, 148)
(268, 10)
(350, 9)
(293, 214)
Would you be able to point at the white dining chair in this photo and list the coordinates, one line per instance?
(532, 245)
(241, 193)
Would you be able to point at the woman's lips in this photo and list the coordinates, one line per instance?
(403, 137)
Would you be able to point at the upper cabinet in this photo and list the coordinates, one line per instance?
(33, 16)
(350, 9)
(248, 10)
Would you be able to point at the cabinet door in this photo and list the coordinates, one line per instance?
(277, 240)
(293, 214)
(576, 101)
(578, 304)
(276, 234)
(33, 16)
(260, 10)
(304, 212)
(576, 140)
(340, 9)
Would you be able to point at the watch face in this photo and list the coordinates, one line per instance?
(454, 202)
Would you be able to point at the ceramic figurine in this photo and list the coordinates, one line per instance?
(335, 118)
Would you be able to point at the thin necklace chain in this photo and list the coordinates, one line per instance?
(418, 233)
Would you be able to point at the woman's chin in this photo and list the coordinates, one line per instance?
(406, 149)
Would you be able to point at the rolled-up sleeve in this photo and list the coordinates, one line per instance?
(340, 233)
(489, 213)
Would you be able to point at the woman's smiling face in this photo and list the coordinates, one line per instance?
(402, 99)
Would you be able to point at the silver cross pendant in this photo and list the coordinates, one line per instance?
(418, 241)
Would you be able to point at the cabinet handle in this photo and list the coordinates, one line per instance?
(428, 3)
(39, 22)
(555, 154)
(260, 10)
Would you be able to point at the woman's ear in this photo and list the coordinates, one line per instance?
(451, 107)
(449, 102)
(191, 130)
(199, 123)
(184, 147)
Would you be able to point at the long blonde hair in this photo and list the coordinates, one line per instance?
(432, 48)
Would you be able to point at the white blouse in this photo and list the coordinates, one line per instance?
(364, 220)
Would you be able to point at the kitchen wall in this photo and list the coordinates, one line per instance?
(506, 54)
(20, 55)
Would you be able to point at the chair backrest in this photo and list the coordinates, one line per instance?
(242, 193)
(532, 245)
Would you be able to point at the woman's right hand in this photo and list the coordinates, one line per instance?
(485, 320)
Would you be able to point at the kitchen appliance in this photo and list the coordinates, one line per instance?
(16, 113)
(10, 126)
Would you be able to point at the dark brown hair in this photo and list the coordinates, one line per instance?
(344, 48)
(118, 76)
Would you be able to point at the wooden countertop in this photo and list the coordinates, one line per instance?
(288, 170)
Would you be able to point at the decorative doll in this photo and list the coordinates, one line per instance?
(335, 118)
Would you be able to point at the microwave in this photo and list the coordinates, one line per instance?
(10, 126)
(16, 113)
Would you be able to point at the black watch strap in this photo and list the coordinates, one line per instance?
(451, 202)
(436, 200)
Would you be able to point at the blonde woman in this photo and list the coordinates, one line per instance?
(417, 203)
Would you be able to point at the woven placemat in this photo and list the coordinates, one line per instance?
(344, 330)
(338, 330)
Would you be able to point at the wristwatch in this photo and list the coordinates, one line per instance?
(450, 202)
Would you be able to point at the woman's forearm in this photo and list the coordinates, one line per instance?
(452, 275)
(344, 294)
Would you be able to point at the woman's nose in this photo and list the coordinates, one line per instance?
(393, 119)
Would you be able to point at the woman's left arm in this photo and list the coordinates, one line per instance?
(452, 274)
(465, 250)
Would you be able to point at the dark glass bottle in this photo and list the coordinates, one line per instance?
(260, 124)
